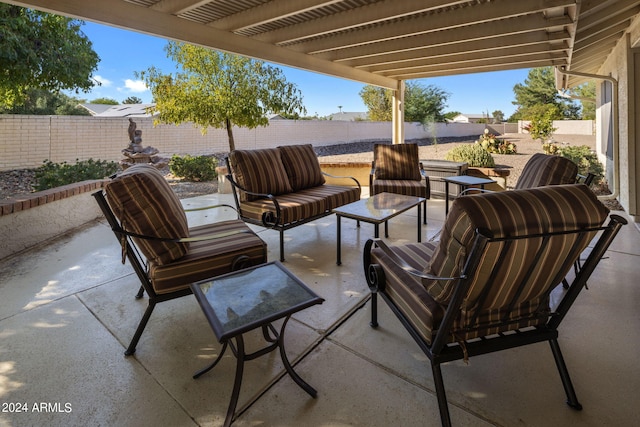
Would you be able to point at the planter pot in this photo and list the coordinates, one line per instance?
(498, 174)
(224, 186)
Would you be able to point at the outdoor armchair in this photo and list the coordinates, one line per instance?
(486, 285)
(396, 169)
(167, 255)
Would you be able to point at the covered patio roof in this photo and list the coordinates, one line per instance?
(380, 42)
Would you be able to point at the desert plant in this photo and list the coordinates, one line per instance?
(51, 174)
(194, 168)
(472, 154)
(586, 159)
(550, 148)
(492, 144)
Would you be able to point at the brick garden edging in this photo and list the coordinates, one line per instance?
(32, 200)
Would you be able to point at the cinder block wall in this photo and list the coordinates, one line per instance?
(26, 141)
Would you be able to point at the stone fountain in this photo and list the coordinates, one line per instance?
(136, 153)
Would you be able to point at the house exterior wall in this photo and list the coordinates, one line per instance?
(624, 66)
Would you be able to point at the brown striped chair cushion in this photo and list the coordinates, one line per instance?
(302, 204)
(302, 166)
(259, 171)
(145, 204)
(396, 161)
(514, 213)
(400, 186)
(544, 169)
(407, 291)
(210, 257)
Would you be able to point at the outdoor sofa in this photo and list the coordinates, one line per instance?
(283, 187)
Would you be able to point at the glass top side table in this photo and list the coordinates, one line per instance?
(464, 182)
(241, 301)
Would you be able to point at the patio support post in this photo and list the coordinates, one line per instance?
(398, 113)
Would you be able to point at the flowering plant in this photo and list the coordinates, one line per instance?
(492, 144)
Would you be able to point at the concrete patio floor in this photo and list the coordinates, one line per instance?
(68, 311)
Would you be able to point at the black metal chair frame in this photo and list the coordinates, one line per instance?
(139, 264)
(441, 351)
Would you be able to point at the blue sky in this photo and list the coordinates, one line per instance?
(122, 53)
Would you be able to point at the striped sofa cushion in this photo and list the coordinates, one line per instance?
(302, 166)
(396, 161)
(145, 204)
(210, 257)
(543, 169)
(259, 171)
(303, 204)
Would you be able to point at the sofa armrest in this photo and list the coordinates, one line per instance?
(343, 177)
(268, 219)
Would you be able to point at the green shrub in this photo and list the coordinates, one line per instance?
(472, 154)
(194, 168)
(492, 144)
(586, 159)
(550, 148)
(51, 175)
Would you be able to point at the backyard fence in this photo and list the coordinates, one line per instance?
(27, 140)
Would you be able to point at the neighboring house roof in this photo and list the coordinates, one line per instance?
(466, 118)
(95, 109)
(122, 110)
(347, 116)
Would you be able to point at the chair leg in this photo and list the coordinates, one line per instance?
(281, 245)
(143, 323)
(140, 293)
(445, 418)
(374, 310)
(572, 399)
(424, 213)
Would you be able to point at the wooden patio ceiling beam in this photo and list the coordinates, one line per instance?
(390, 9)
(523, 40)
(268, 12)
(470, 57)
(481, 69)
(506, 29)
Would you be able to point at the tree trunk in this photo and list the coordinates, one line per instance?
(232, 144)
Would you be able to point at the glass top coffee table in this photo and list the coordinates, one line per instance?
(376, 210)
(248, 299)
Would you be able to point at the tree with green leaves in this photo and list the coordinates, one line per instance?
(586, 93)
(378, 102)
(39, 50)
(44, 102)
(498, 116)
(104, 101)
(132, 100)
(424, 104)
(219, 90)
(539, 88)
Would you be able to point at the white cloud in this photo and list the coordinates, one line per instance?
(103, 82)
(136, 86)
